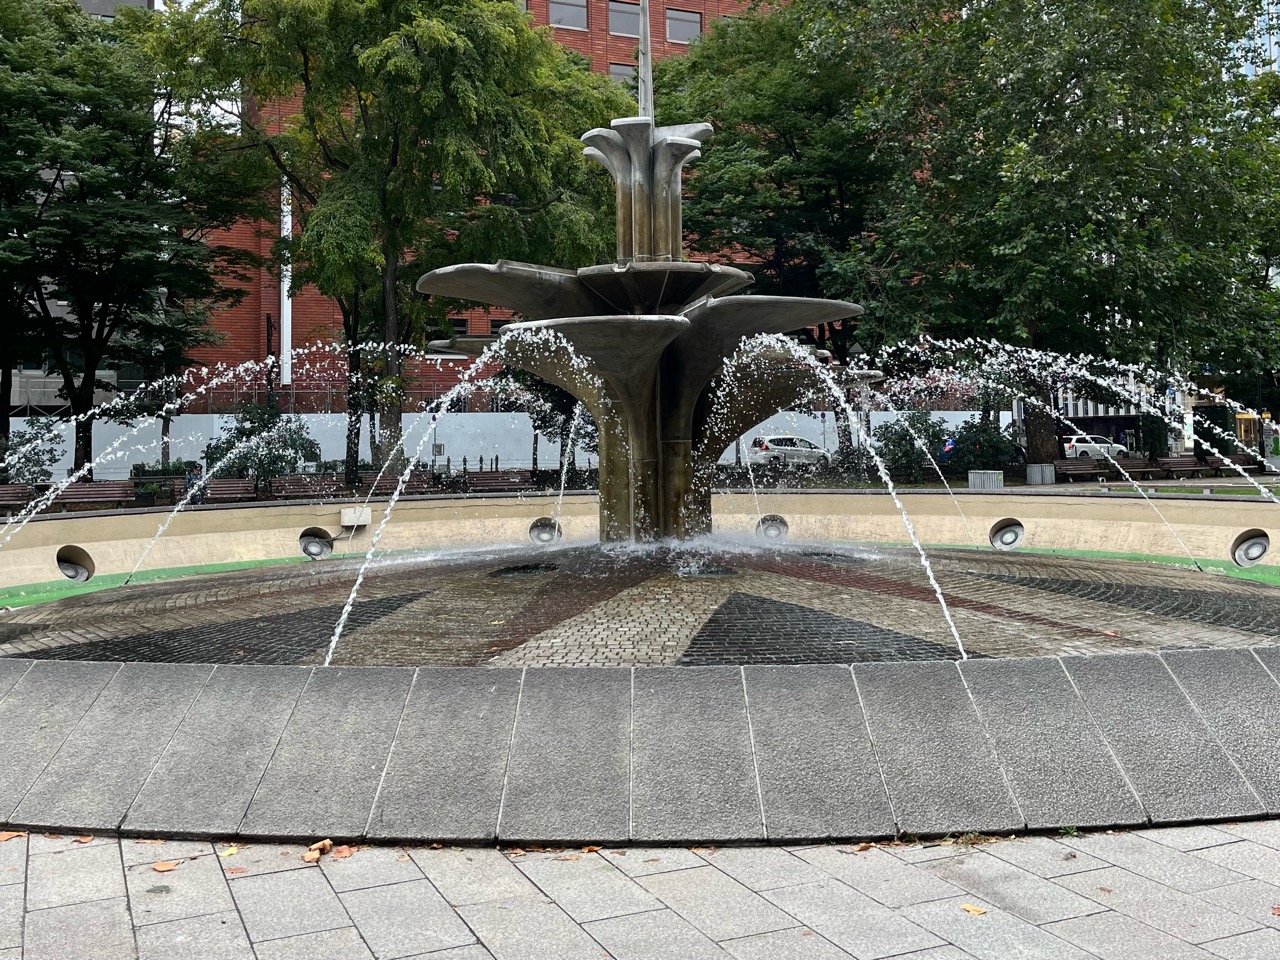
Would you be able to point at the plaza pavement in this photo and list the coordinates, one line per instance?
(1174, 893)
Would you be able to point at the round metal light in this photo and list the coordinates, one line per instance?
(772, 527)
(315, 543)
(1250, 547)
(75, 563)
(544, 531)
(1007, 535)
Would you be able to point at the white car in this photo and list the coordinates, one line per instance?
(784, 451)
(1086, 445)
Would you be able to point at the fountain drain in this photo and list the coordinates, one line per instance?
(1250, 547)
(525, 570)
(772, 527)
(1007, 535)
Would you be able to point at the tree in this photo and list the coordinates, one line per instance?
(791, 169)
(261, 443)
(1067, 174)
(111, 242)
(400, 128)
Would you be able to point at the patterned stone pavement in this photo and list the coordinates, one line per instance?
(592, 607)
(1181, 893)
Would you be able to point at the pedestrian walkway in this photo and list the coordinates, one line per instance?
(1164, 894)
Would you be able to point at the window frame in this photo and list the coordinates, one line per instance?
(686, 13)
(573, 4)
(634, 12)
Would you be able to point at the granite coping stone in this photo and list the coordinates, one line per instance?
(638, 755)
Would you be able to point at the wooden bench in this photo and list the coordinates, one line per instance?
(499, 481)
(1137, 467)
(95, 492)
(417, 485)
(1082, 467)
(1246, 461)
(229, 490)
(15, 495)
(1188, 466)
(315, 486)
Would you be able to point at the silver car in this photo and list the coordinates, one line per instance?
(1087, 445)
(787, 451)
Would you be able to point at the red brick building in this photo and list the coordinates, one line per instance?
(607, 32)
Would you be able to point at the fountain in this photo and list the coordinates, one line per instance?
(655, 331)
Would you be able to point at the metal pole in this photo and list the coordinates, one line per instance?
(645, 58)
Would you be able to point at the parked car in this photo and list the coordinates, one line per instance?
(1087, 445)
(786, 451)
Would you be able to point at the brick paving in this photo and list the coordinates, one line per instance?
(622, 607)
(1196, 892)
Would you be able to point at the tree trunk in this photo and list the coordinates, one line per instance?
(393, 400)
(6, 413)
(375, 449)
(166, 422)
(1044, 444)
(84, 443)
(352, 465)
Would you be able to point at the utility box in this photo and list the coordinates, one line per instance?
(986, 479)
(356, 516)
(1040, 475)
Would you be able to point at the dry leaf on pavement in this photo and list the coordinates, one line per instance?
(164, 866)
(229, 852)
(323, 846)
(235, 870)
(311, 856)
(343, 851)
(590, 849)
(150, 842)
(87, 838)
(970, 909)
(10, 834)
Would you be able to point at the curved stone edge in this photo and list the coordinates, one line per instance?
(644, 755)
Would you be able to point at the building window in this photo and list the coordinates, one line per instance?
(624, 19)
(496, 324)
(569, 14)
(459, 326)
(622, 72)
(683, 26)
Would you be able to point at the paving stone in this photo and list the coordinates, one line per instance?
(1111, 936)
(1187, 838)
(761, 868)
(134, 852)
(97, 773)
(1044, 856)
(1059, 767)
(13, 861)
(11, 908)
(994, 935)
(38, 715)
(403, 919)
(74, 876)
(1240, 702)
(326, 769)
(1265, 832)
(1247, 858)
(204, 781)
(1178, 914)
(818, 771)
(1258, 945)
(1253, 899)
(693, 775)
(86, 931)
(195, 887)
(917, 852)
(1187, 872)
(716, 904)
(469, 875)
(473, 952)
(40, 844)
(345, 943)
(880, 875)
(444, 778)
(798, 943)
(369, 866)
(643, 861)
(852, 920)
(656, 935)
(588, 888)
(522, 929)
(570, 767)
(254, 859)
(1179, 770)
(942, 774)
(1013, 889)
(215, 936)
(11, 672)
(277, 905)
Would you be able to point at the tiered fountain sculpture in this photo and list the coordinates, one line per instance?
(652, 332)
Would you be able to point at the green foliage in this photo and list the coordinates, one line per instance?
(34, 453)
(980, 445)
(897, 443)
(261, 443)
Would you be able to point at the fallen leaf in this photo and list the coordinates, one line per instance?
(235, 870)
(53, 836)
(321, 846)
(403, 858)
(311, 856)
(151, 843)
(973, 911)
(862, 847)
(1111, 633)
(617, 853)
(229, 852)
(437, 846)
(286, 853)
(590, 849)
(87, 838)
(515, 852)
(569, 856)
(1105, 889)
(806, 933)
(653, 860)
(343, 851)
(164, 866)
(10, 834)
(1275, 911)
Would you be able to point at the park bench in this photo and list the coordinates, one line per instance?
(1138, 467)
(1189, 466)
(229, 490)
(1247, 461)
(418, 484)
(315, 486)
(496, 481)
(1082, 467)
(115, 493)
(14, 495)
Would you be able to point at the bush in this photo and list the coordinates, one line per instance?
(981, 446)
(897, 444)
(33, 466)
(262, 443)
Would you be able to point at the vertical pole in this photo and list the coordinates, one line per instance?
(645, 63)
(286, 298)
